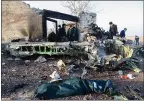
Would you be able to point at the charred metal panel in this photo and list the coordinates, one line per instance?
(47, 48)
(58, 15)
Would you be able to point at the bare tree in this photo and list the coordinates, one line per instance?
(76, 7)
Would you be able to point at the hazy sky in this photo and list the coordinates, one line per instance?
(127, 14)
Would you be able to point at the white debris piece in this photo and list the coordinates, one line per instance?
(61, 65)
(40, 59)
(27, 61)
(17, 59)
(13, 70)
(55, 76)
(130, 76)
(3, 63)
(84, 73)
(9, 58)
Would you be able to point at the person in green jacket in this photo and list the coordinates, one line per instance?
(69, 34)
(75, 34)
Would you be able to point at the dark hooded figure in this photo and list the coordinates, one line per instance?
(69, 34)
(137, 40)
(62, 33)
(122, 33)
(113, 29)
(75, 34)
(58, 33)
(52, 37)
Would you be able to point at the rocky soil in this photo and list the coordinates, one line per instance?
(21, 77)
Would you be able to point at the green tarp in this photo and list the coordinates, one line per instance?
(72, 87)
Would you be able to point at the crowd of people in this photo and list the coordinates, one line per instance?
(113, 30)
(72, 34)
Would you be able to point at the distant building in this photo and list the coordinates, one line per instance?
(86, 19)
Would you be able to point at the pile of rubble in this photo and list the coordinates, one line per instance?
(102, 55)
(116, 56)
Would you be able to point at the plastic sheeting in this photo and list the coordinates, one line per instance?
(72, 87)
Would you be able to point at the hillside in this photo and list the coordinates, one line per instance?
(19, 21)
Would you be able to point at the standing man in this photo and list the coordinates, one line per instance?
(113, 30)
(75, 34)
(122, 33)
(137, 40)
(62, 33)
(69, 33)
(58, 34)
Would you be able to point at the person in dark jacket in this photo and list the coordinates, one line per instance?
(58, 34)
(122, 33)
(52, 37)
(61, 33)
(113, 30)
(137, 40)
(75, 34)
(69, 33)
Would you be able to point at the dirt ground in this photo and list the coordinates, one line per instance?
(141, 38)
(20, 79)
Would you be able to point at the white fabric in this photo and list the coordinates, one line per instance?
(55, 76)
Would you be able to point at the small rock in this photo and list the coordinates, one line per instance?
(88, 97)
(17, 59)
(9, 58)
(27, 61)
(3, 63)
(13, 70)
(40, 59)
(44, 77)
(22, 76)
(5, 99)
(3, 75)
(50, 65)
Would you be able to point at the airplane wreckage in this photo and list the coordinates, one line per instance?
(48, 48)
(97, 51)
(22, 49)
(112, 52)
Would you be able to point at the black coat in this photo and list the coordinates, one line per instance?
(113, 30)
(61, 34)
(74, 34)
(52, 37)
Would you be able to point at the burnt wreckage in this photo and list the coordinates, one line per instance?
(47, 48)
(22, 49)
(106, 51)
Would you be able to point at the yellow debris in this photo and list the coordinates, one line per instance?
(61, 65)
